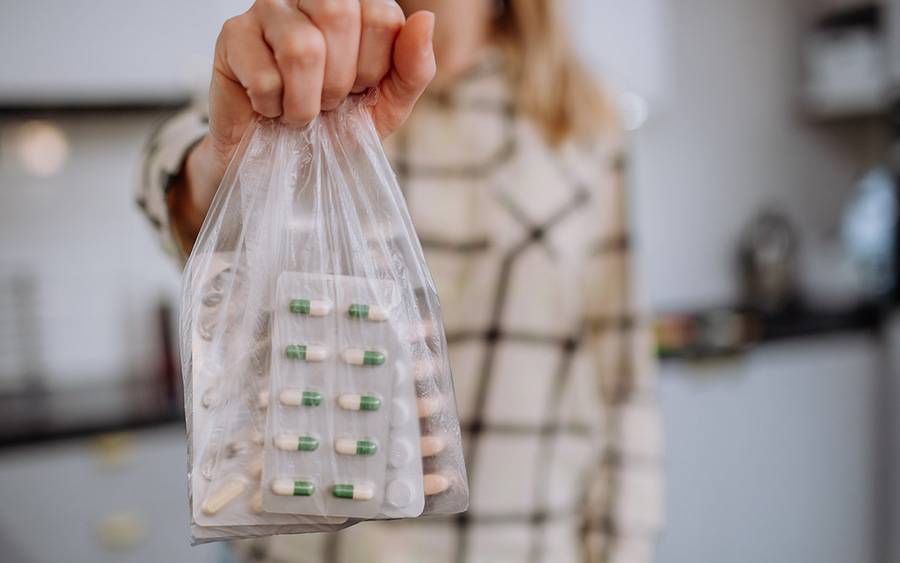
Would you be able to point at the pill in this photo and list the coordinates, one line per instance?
(355, 492)
(432, 445)
(363, 357)
(220, 498)
(309, 353)
(263, 399)
(293, 442)
(300, 398)
(423, 370)
(435, 483)
(428, 406)
(292, 488)
(311, 307)
(255, 468)
(349, 446)
(352, 402)
(367, 312)
(256, 502)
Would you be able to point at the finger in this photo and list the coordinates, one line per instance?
(248, 60)
(413, 69)
(381, 21)
(299, 49)
(339, 22)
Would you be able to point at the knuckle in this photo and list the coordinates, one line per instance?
(368, 77)
(265, 4)
(231, 25)
(384, 15)
(264, 85)
(335, 12)
(307, 49)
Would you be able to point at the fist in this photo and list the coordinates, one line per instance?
(291, 59)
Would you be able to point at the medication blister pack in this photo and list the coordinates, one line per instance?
(317, 382)
(343, 435)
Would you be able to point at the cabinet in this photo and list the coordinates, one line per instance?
(775, 457)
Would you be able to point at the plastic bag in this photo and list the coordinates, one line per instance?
(317, 384)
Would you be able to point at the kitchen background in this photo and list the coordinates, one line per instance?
(760, 146)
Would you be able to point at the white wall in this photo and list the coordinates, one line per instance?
(107, 50)
(99, 271)
(724, 137)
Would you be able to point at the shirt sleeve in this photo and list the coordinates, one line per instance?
(163, 159)
(624, 507)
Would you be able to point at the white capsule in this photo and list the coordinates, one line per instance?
(345, 446)
(432, 445)
(263, 399)
(423, 370)
(435, 484)
(291, 397)
(428, 406)
(283, 487)
(316, 353)
(255, 468)
(219, 499)
(256, 502)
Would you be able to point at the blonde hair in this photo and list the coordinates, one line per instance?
(552, 87)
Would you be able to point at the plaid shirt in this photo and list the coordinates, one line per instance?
(530, 251)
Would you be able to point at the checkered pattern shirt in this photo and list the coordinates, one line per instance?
(530, 251)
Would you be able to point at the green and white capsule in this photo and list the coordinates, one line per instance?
(292, 488)
(306, 352)
(296, 443)
(353, 491)
(367, 312)
(349, 446)
(358, 357)
(310, 307)
(300, 398)
(352, 402)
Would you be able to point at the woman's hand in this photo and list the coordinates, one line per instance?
(291, 59)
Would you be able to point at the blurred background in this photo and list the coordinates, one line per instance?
(763, 163)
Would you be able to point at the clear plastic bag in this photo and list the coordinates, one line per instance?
(317, 384)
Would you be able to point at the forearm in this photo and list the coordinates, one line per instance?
(192, 191)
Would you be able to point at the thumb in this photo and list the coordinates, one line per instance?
(412, 71)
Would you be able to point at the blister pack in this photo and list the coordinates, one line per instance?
(344, 435)
(317, 383)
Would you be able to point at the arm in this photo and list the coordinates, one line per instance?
(624, 505)
(290, 59)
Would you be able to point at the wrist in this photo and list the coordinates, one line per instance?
(192, 191)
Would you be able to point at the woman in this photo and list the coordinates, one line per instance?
(512, 170)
